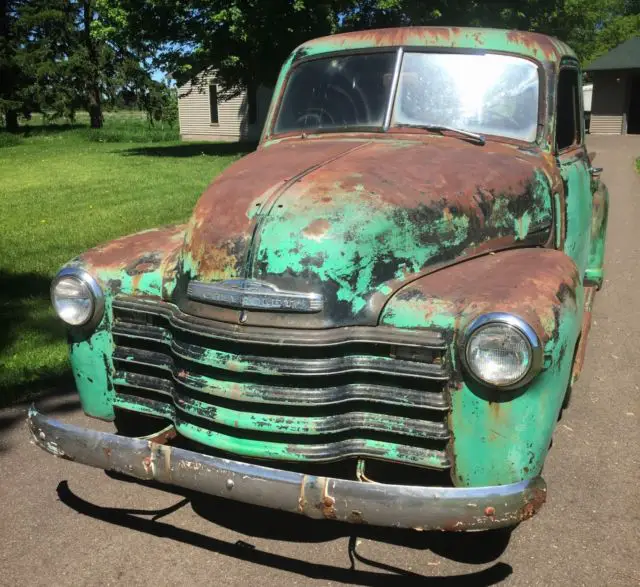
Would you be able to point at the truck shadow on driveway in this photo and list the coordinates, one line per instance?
(255, 521)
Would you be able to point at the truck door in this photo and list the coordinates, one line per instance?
(574, 165)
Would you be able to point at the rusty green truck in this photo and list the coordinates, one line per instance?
(378, 315)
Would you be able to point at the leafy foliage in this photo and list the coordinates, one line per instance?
(59, 56)
(247, 40)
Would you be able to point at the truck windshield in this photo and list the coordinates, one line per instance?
(480, 93)
(337, 93)
(486, 94)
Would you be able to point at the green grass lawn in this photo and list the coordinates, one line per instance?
(638, 164)
(64, 189)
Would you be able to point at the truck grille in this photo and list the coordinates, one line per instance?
(296, 395)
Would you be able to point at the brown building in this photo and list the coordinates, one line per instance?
(615, 107)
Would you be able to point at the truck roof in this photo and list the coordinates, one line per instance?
(533, 45)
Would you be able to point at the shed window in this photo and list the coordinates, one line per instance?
(568, 127)
(213, 104)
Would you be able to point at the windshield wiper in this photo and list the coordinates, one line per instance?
(479, 139)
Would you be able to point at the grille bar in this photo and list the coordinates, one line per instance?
(320, 452)
(280, 337)
(289, 366)
(293, 425)
(277, 395)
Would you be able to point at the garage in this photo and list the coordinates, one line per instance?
(615, 107)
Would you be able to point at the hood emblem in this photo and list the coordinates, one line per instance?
(251, 294)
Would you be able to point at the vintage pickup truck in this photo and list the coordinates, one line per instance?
(378, 315)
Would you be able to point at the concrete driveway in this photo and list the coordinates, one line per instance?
(65, 524)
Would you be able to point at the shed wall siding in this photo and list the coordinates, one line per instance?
(606, 125)
(195, 116)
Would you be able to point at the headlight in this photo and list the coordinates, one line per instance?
(76, 297)
(501, 350)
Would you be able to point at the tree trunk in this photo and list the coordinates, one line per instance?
(11, 121)
(95, 108)
(93, 81)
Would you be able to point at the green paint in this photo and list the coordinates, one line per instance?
(294, 425)
(595, 264)
(433, 314)
(92, 369)
(578, 209)
(361, 234)
(497, 443)
(368, 242)
(521, 227)
(557, 226)
(269, 450)
(460, 38)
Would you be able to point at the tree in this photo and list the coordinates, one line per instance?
(622, 22)
(94, 64)
(48, 57)
(590, 27)
(246, 40)
(56, 58)
(61, 55)
(13, 80)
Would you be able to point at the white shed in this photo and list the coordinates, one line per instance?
(206, 115)
(587, 93)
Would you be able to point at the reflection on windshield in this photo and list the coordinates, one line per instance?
(337, 93)
(488, 94)
(485, 94)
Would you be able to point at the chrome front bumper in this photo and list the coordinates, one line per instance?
(401, 506)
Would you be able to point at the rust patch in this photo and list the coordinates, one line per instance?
(536, 43)
(226, 215)
(328, 507)
(317, 228)
(302, 502)
(356, 517)
(527, 282)
(163, 436)
(145, 247)
(538, 498)
(578, 363)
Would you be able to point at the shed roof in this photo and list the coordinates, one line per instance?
(624, 56)
(534, 45)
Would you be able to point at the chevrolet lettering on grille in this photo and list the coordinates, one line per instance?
(251, 294)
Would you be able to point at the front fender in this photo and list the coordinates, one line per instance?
(143, 264)
(139, 264)
(500, 437)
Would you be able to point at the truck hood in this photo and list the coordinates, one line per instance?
(356, 219)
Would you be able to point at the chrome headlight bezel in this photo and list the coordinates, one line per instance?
(510, 321)
(94, 289)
